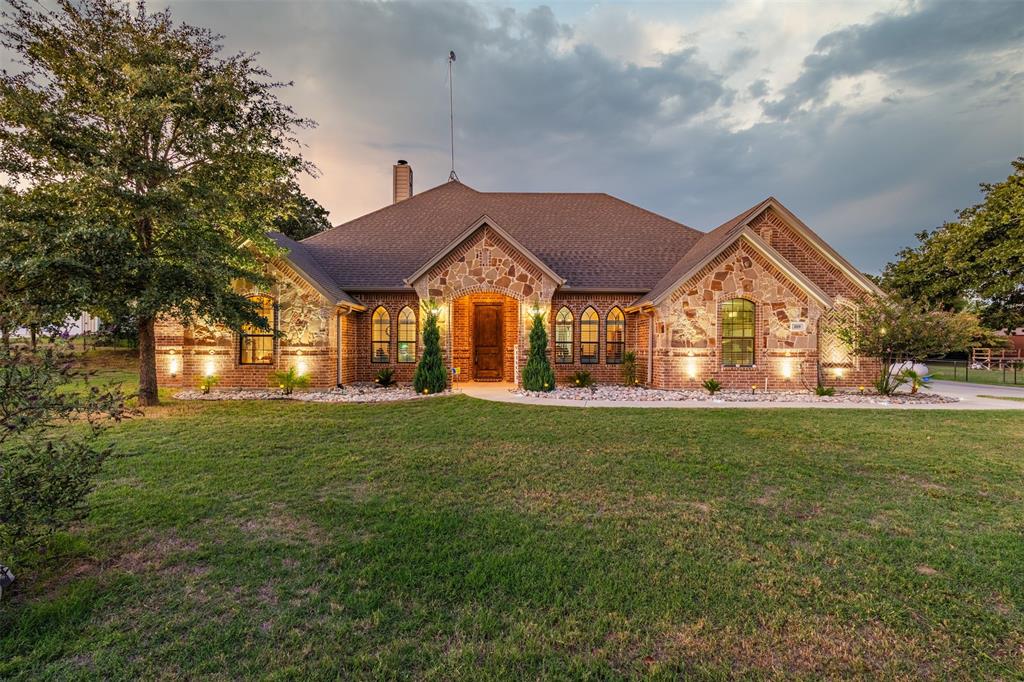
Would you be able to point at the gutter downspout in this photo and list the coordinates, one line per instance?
(650, 348)
(348, 311)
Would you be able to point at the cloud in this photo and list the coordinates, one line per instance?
(930, 45)
(884, 119)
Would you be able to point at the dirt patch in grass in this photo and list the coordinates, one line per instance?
(818, 647)
(282, 526)
(603, 503)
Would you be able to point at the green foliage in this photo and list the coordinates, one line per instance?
(893, 331)
(208, 381)
(582, 379)
(305, 218)
(430, 376)
(151, 154)
(711, 386)
(289, 380)
(39, 287)
(385, 377)
(46, 468)
(823, 391)
(917, 381)
(976, 262)
(629, 368)
(538, 375)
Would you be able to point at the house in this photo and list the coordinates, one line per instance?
(751, 303)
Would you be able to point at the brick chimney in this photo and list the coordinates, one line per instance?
(402, 182)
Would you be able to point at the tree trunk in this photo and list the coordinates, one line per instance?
(147, 362)
(32, 336)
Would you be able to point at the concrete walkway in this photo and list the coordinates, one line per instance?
(968, 394)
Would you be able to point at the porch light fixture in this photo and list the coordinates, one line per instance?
(172, 366)
(787, 368)
(691, 366)
(839, 372)
(300, 367)
(210, 368)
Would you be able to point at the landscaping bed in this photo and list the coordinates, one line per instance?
(352, 393)
(641, 394)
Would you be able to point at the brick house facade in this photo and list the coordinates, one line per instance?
(751, 303)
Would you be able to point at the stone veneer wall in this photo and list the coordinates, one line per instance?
(308, 321)
(485, 262)
(835, 357)
(688, 333)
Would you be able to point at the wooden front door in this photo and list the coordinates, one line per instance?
(487, 342)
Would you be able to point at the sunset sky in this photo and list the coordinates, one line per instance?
(870, 120)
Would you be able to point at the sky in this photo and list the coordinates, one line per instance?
(870, 120)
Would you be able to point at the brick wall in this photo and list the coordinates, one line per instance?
(602, 371)
(360, 346)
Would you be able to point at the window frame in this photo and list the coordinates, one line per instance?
(620, 346)
(244, 335)
(749, 307)
(585, 327)
(561, 345)
(375, 343)
(402, 326)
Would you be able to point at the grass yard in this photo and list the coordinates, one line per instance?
(456, 539)
(994, 377)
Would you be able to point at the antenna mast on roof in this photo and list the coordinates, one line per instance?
(451, 113)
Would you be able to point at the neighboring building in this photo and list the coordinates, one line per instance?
(749, 303)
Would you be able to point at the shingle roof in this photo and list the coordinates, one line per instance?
(303, 262)
(592, 240)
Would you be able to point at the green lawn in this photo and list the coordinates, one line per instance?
(456, 539)
(975, 376)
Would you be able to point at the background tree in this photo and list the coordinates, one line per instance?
(39, 287)
(538, 375)
(894, 331)
(158, 156)
(306, 218)
(976, 262)
(430, 376)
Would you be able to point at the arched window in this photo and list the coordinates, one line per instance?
(380, 344)
(614, 336)
(257, 345)
(589, 336)
(407, 335)
(738, 333)
(563, 335)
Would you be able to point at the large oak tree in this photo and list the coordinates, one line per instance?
(975, 262)
(158, 156)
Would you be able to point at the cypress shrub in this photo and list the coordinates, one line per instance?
(538, 375)
(430, 376)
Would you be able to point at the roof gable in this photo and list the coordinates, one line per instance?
(714, 244)
(715, 241)
(817, 243)
(481, 223)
